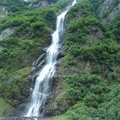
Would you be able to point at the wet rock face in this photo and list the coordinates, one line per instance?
(56, 104)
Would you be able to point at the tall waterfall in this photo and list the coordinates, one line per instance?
(42, 86)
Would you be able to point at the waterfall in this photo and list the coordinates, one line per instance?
(43, 82)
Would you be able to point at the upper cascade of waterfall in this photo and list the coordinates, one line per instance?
(43, 81)
(74, 2)
(60, 21)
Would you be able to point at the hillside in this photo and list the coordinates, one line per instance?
(87, 82)
(24, 34)
(88, 73)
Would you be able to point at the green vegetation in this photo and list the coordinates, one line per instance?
(90, 67)
(83, 8)
(31, 32)
(14, 5)
(116, 25)
(111, 7)
(3, 106)
(13, 85)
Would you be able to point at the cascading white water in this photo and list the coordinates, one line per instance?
(42, 86)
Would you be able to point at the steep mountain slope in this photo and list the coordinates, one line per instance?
(87, 84)
(88, 79)
(29, 32)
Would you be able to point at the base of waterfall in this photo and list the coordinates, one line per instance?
(27, 118)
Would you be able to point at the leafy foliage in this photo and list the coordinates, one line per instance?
(32, 29)
(14, 5)
(83, 8)
(91, 65)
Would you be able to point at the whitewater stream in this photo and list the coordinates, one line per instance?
(43, 82)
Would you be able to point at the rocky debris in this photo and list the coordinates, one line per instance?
(3, 11)
(114, 12)
(3, 8)
(43, 3)
(106, 7)
(5, 33)
(56, 107)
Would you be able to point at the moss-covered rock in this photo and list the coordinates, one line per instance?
(16, 88)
